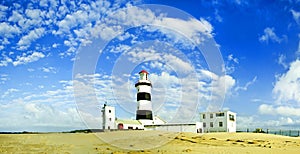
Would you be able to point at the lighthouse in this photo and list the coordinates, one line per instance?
(144, 105)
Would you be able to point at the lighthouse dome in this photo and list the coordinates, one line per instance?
(143, 71)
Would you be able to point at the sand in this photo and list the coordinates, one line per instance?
(148, 142)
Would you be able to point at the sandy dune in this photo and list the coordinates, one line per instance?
(148, 142)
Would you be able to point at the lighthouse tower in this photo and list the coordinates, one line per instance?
(144, 107)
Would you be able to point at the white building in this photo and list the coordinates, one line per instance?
(108, 117)
(177, 127)
(223, 121)
(128, 124)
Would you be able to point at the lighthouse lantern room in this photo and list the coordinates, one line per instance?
(144, 107)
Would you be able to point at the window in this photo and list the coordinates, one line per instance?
(204, 124)
(142, 76)
(231, 117)
(211, 124)
(109, 119)
(109, 111)
(221, 114)
(220, 124)
(203, 116)
(143, 96)
(108, 127)
(211, 115)
(148, 115)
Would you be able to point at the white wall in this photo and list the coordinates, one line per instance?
(174, 128)
(109, 117)
(227, 124)
(133, 126)
(231, 124)
(158, 121)
(146, 122)
(144, 88)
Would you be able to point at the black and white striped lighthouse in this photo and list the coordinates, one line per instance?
(144, 107)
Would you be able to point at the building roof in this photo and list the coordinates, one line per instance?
(143, 71)
(225, 111)
(133, 122)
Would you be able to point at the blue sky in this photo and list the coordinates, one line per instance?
(61, 60)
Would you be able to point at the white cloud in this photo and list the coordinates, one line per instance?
(30, 69)
(55, 45)
(245, 87)
(48, 3)
(287, 86)
(28, 19)
(229, 67)
(279, 110)
(192, 28)
(120, 48)
(5, 41)
(5, 61)
(28, 58)
(132, 16)
(7, 30)
(175, 61)
(296, 16)
(138, 54)
(270, 35)
(66, 24)
(257, 121)
(217, 16)
(179, 65)
(15, 17)
(288, 120)
(34, 14)
(49, 69)
(3, 8)
(84, 15)
(33, 35)
(156, 64)
(281, 61)
(4, 78)
(223, 85)
(298, 50)
(207, 74)
(231, 58)
(9, 92)
(214, 88)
